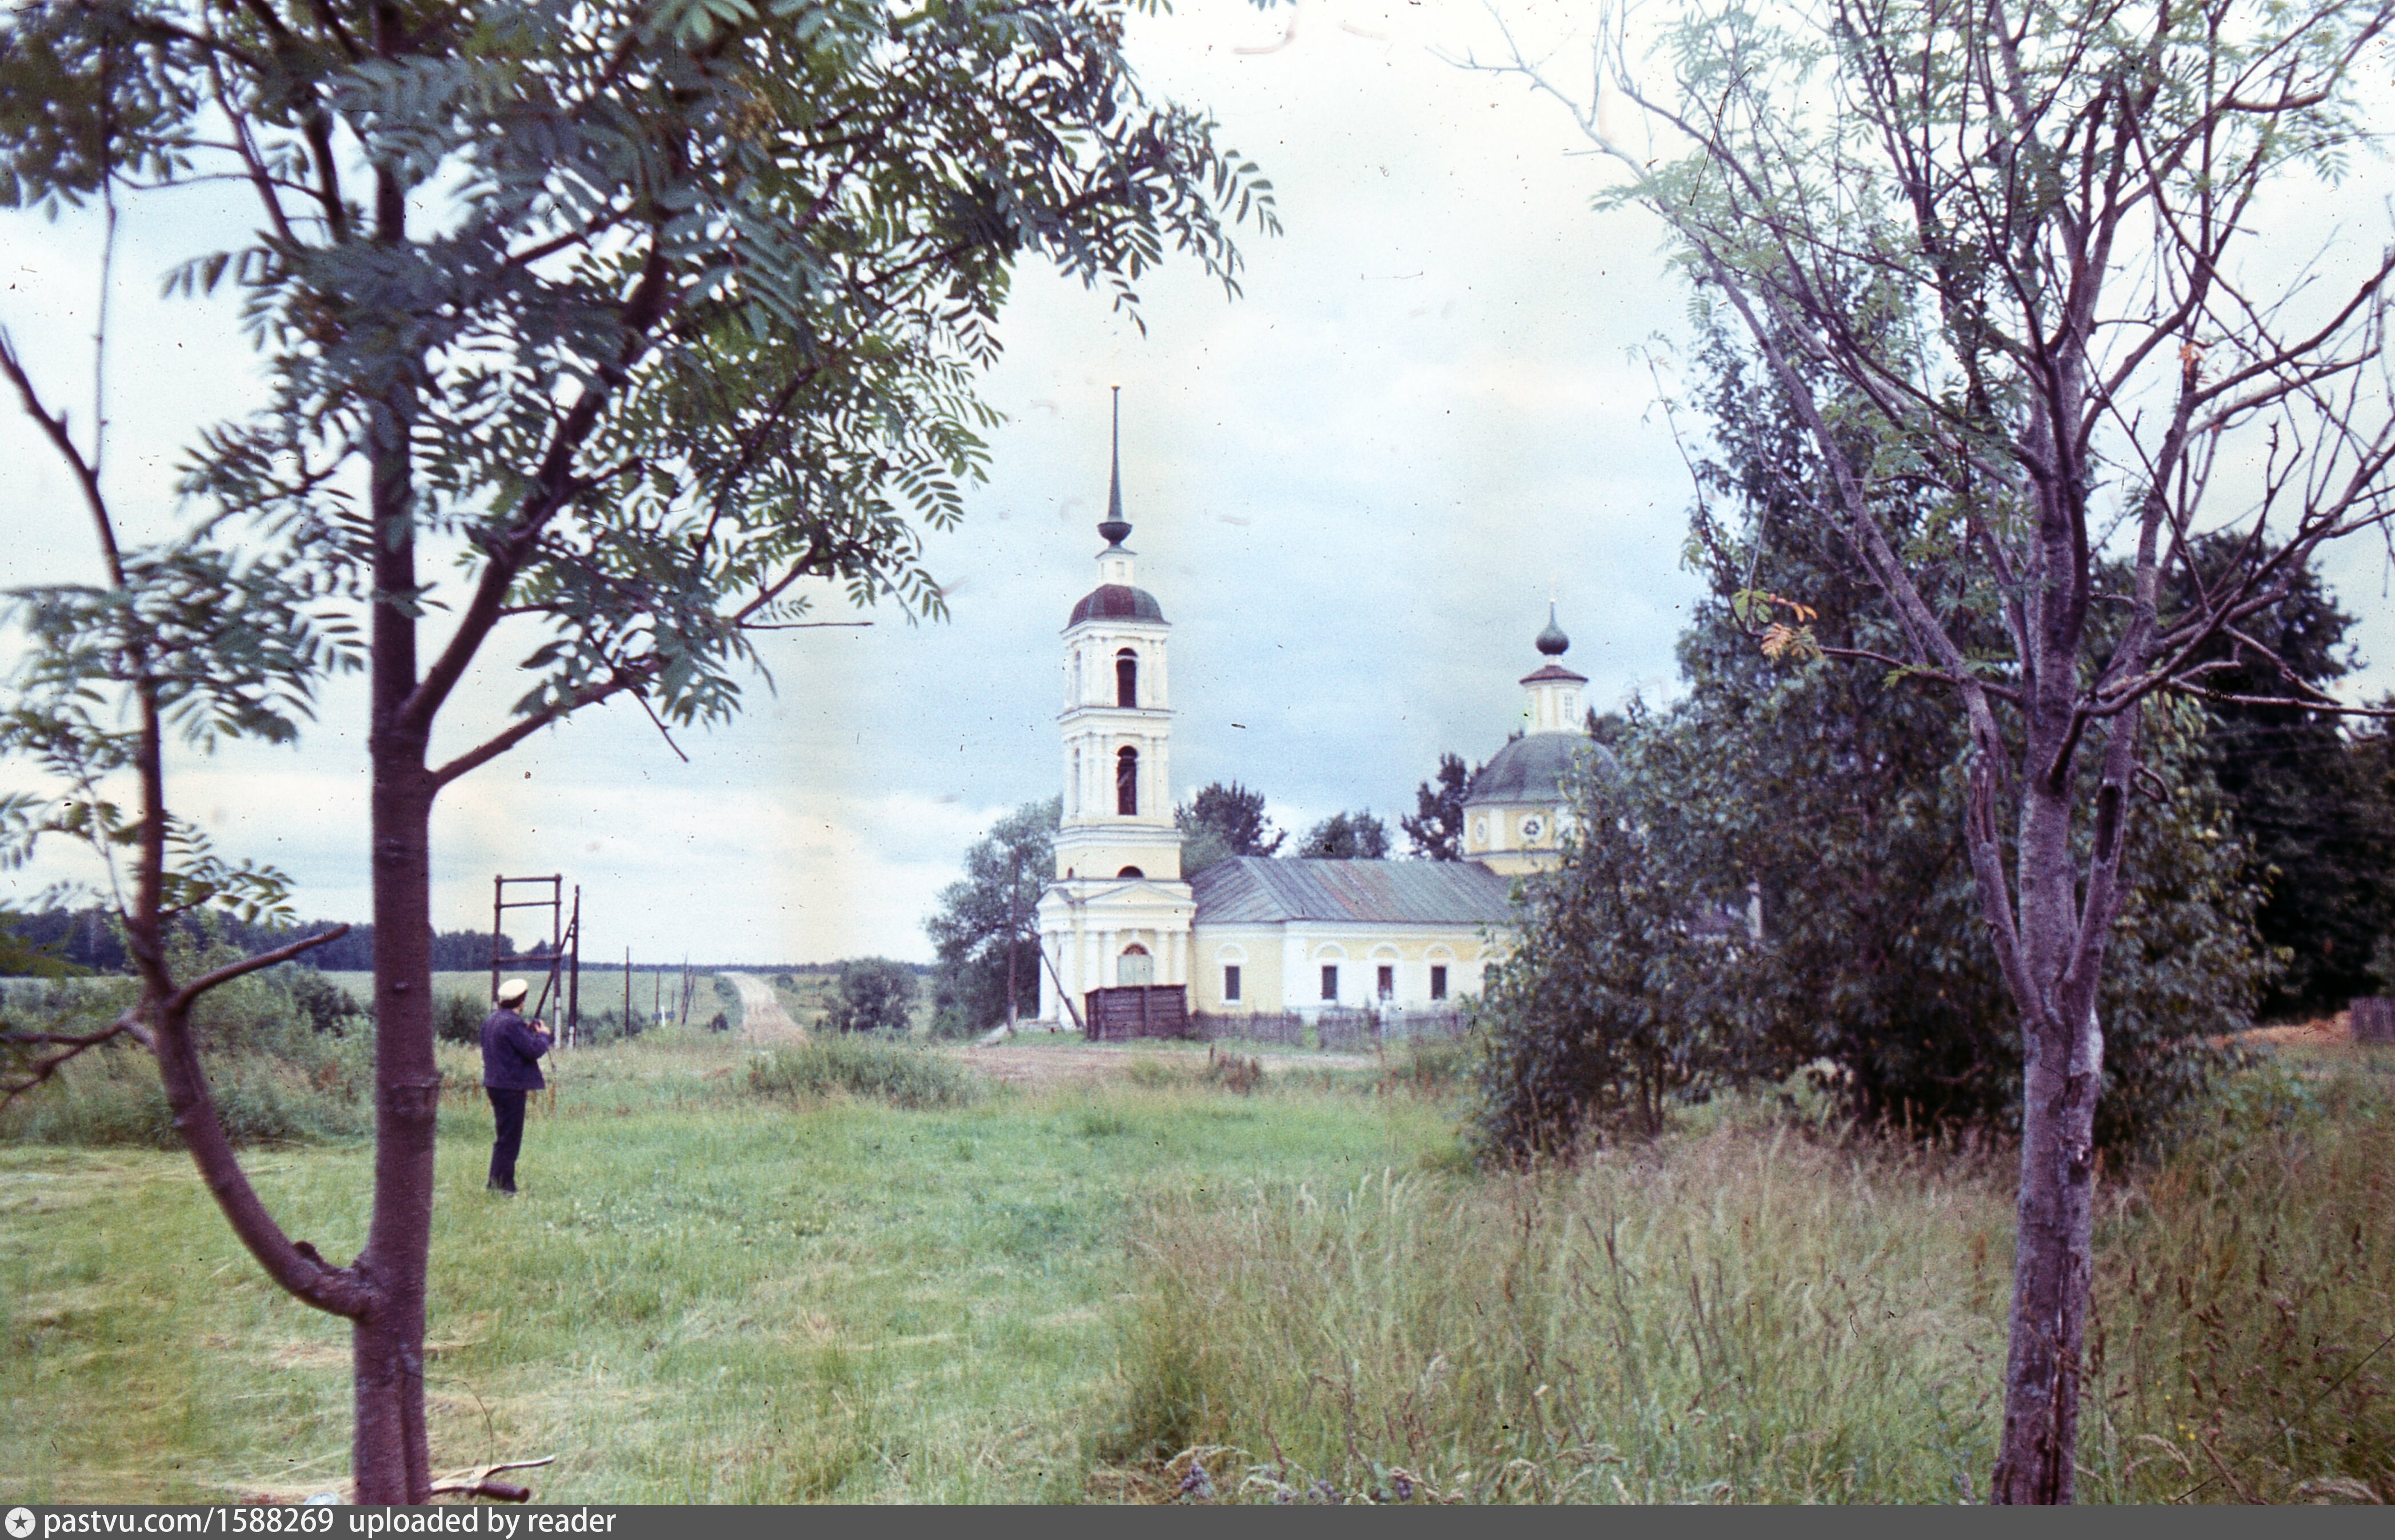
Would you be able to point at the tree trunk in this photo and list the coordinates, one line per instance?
(390, 1454)
(2062, 1049)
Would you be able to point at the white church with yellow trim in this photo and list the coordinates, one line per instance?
(1258, 935)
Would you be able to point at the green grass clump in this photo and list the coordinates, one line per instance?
(1750, 1311)
(897, 1073)
(114, 1097)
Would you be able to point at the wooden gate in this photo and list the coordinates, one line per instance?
(1136, 1011)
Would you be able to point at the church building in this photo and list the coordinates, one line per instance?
(1262, 935)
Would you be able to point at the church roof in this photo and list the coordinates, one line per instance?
(1116, 602)
(1261, 889)
(1553, 670)
(1531, 769)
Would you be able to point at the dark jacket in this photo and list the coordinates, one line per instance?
(512, 1053)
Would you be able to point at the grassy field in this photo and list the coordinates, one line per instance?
(1152, 1287)
(702, 1295)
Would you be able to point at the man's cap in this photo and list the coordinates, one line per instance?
(513, 991)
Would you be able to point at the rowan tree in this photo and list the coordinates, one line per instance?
(2008, 251)
(652, 323)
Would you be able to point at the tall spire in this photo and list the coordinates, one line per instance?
(1114, 529)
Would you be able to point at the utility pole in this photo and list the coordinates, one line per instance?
(628, 991)
(1013, 929)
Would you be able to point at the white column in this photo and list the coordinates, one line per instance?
(1105, 959)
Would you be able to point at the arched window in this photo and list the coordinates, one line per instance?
(1131, 872)
(1127, 783)
(1126, 678)
(1073, 787)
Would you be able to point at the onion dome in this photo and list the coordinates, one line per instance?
(1552, 640)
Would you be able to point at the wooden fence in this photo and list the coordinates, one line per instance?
(2374, 1019)
(1349, 1030)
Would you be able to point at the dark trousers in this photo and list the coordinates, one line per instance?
(508, 1106)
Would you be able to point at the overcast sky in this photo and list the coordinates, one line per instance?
(1353, 491)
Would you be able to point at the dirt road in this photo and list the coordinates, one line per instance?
(761, 1016)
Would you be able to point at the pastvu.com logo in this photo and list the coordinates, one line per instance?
(21, 1522)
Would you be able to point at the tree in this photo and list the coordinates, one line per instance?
(1606, 1009)
(1222, 821)
(24, 956)
(2321, 826)
(1436, 825)
(1347, 837)
(873, 995)
(1830, 803)
(665, 319)
(987, 928)
(1998, 251)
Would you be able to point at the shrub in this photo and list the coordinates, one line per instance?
(874, 995)
(459, 1019)
(1233, 1073)
(902, 1076)
(282, 1061)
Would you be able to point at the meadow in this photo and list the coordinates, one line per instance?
(726, 1283)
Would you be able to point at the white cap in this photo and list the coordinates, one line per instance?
(513, 991)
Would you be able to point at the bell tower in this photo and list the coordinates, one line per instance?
(1117, 911)
(1117, 718)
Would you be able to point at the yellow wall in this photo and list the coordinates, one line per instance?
(1259, 973)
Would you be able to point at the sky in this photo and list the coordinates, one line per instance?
(1353, 490)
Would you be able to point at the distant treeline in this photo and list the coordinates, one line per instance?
(89, 939)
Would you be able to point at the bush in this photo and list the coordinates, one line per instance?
(458, 1018)
(286, 1053)
(874, 995)
(902, 1076)
(114, 1097)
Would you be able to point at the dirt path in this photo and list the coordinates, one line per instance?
(761, 1016)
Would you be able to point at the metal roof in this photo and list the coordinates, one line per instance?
(1116, 602)
(1531, 769)
(1261, 889)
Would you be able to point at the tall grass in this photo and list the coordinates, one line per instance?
(835, 1063)
(1754, 1315)
(275, 1077)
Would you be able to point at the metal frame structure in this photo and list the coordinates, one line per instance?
(563, 977)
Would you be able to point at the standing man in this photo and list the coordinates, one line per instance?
(511, 1049)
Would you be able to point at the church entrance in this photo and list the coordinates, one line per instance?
(1135, 966)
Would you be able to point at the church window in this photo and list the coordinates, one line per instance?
(1330, 981)
(1131, 872)
(1135, 966)
(1230, 981)
(1127, 783)
(1073, 787)
(1437, 981)
(1127, 678)
(1387, 982)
